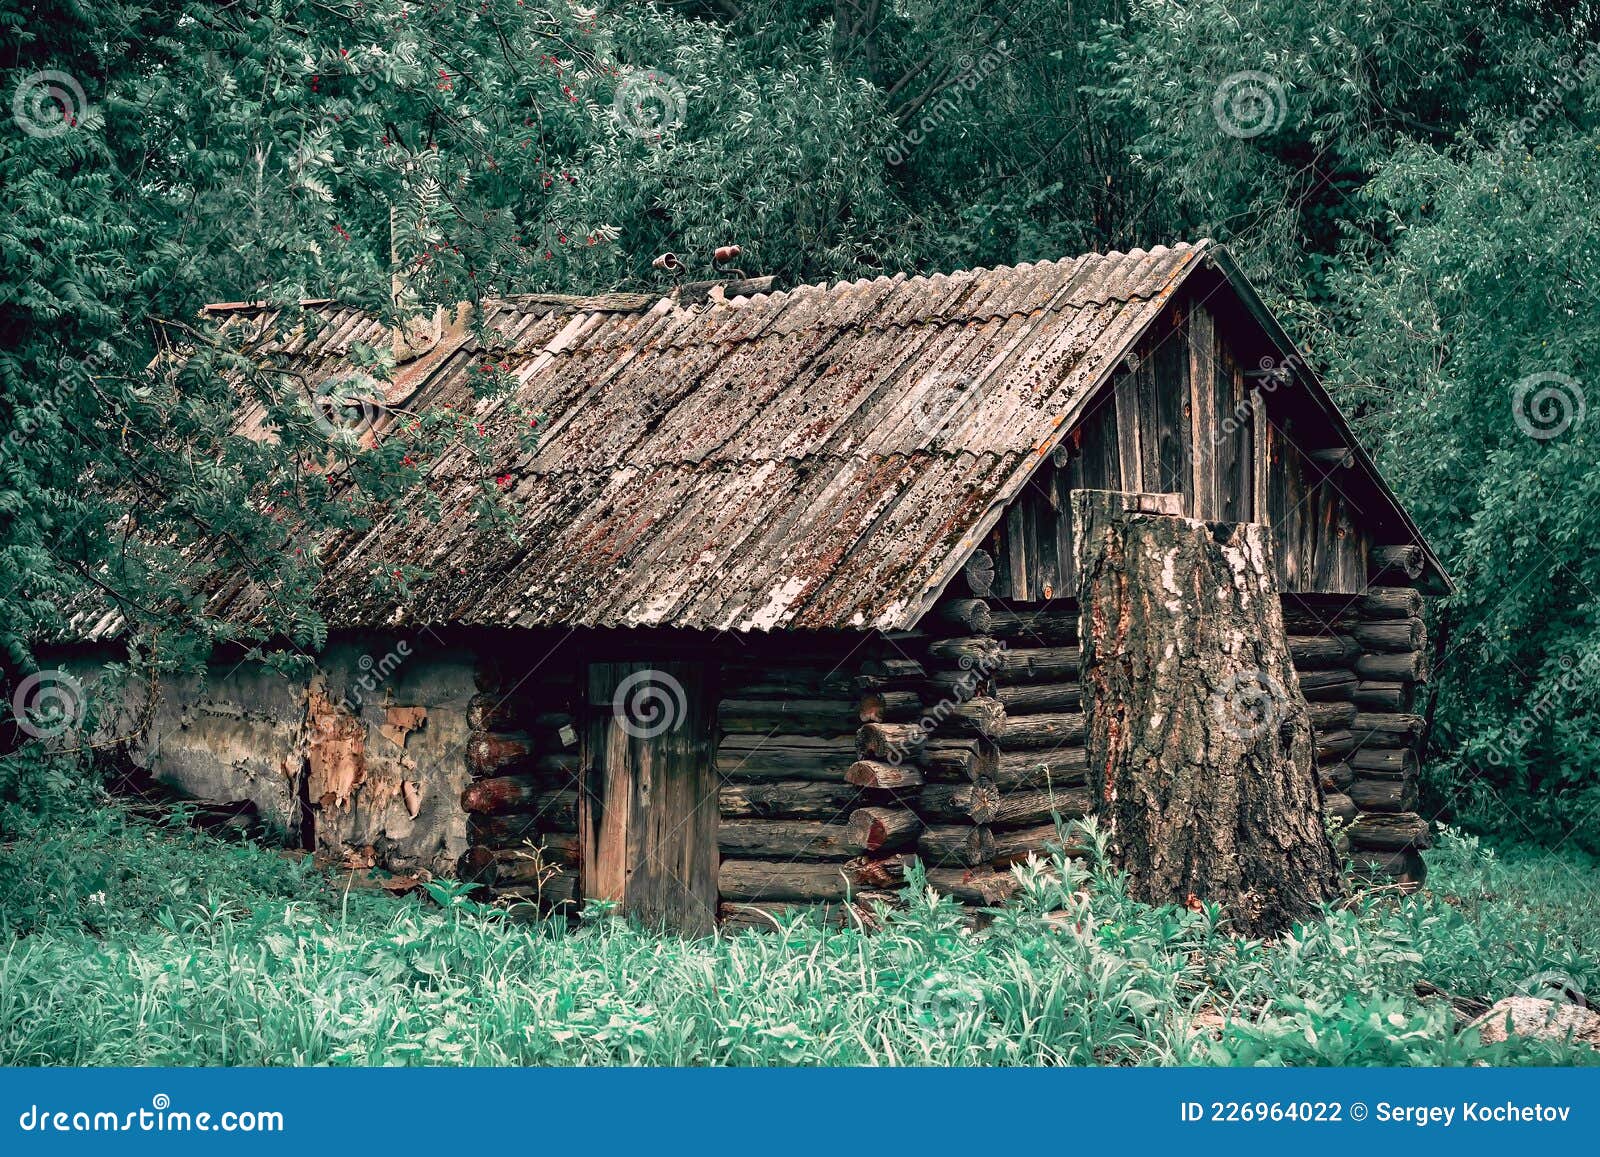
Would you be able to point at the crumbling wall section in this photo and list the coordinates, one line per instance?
(363, 760)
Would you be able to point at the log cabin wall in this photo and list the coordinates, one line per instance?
(1390, 729)
(1199, 411)
(795, 835)
(980, 736)
(522, 800)
(997, 749)
(842, 763)
(359, 759)
(787, 721)
(842, 758)
(1324, 654)
(1364, 665)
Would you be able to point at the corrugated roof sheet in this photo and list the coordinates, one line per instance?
(817, 458)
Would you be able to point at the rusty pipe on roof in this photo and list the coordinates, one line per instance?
(668, 262)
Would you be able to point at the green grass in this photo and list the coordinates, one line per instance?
(126, 944)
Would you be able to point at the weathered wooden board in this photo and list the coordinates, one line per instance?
(648, 814)
(1185, 415)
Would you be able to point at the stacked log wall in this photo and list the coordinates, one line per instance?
(788, 815)
(959, 744)
(1324, 653)
(996, 750)
(1389, 731)
(990, 800)
(1363, 665)
(522, 801)
(1043, 765)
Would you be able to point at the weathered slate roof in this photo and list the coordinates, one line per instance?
(821, 458)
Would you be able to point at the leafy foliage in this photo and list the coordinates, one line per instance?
(1486, 302)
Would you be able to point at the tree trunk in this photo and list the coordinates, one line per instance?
(1199, 744)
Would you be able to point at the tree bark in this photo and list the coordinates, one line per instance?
(962, 617)
(1034, 628)
(1015, 846)
(881, 829)
(1199, 743)
(754, 880)
(958, 803)
(760, 757)
(1041, 732)
(1032, 770)
(890, 706)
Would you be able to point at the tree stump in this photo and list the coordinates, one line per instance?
(1199, 743)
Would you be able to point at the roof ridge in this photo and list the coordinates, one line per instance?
(628, 301)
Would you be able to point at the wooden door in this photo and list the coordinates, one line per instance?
(648, 811)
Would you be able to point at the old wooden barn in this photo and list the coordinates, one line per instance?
(786, 592)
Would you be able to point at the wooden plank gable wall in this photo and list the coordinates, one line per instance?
(1185, 415)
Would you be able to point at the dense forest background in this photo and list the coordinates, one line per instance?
(1411, 184)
